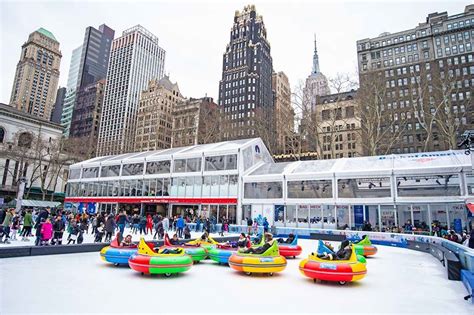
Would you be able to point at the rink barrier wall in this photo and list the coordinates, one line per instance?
(23, 251)
(463, 253)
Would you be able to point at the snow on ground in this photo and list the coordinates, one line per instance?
(398, 281)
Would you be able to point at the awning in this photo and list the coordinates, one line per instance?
(470, 206)
(35, 203)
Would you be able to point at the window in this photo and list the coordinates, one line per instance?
(428, 185)
(74, 173)
(158, 167)
(110, 170)
(268, 190)
(132, 169)
(187, 165)
(90, 172)
(310, 189)
(24, 140)
(377, 187)
(2, 135)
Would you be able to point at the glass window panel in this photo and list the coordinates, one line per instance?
(222, 213)
(90, 172)
(116, 189)
(139, 187)
(303, 216)
(374, 187)
(197, 186)
(224, 186)
(215, 163)
(470, 183)
(404, 218)
(132, 169)
(179, 166)
(290, 216)
(74, 173)
(457, 217)
(329, 222)
(428, 185)
(166, 186)
(310, 189)
(421, 220)
(387, 214)
(206, 188)
(246, 214)
(233, 185)
(181, 186)
(232, 214)
(158, 167)
(193, 165)
(110, 170)
(343, 221)
(189, 186)
(159, 187)
(267, 190)
(231, 162)
(174, 186)
(214, 186)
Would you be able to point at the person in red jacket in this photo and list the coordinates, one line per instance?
(149, 224)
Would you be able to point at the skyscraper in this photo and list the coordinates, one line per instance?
(58, 106)
(316, 83)
(37, 73)
(135, 59)
(89, 64)
(246, 85)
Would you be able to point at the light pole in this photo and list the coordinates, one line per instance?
(21, 189)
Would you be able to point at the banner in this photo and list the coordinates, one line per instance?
(358, 215)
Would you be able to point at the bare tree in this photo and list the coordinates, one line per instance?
(381, 127)
(210, 124)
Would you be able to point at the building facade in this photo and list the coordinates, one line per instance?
(338, 126)
(58, 105)
(89, 64)
(135, 59)
(27, 144)
(424, 78)
(195, 121)
(245, 90)
(283, 112)
(37, 74)
(86, 116)
(155, 115)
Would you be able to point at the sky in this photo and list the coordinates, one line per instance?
(195, 33)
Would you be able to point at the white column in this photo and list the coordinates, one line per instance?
(379, 211)
(296, 214)
(395, 213)
(321, 207)
(412, 217)
(349, 207)
(335, 216)
(447, 217)
(429, 218)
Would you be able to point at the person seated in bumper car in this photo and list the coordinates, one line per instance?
(127, 241)
(175, 240)
(344, 252)
(242, 242)
(261, 249)
(289, 240)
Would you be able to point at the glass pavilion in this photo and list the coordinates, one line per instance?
(239, 179)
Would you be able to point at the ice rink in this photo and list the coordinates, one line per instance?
(398, 281)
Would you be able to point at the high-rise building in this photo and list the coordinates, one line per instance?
(195, 121)
(86, 116)
(423, 80)
(58, 106)
(89, 64)
(155, 115)
(283, 113)
(71, 88)
(316, 83)
(37, 74)
(338, 126)
(246, 85)
(135, 59)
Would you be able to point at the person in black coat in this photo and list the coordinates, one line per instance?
(44, 214)
(58, 228)
(471, 239)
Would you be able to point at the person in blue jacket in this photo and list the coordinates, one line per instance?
(180, 226)
(265, 225)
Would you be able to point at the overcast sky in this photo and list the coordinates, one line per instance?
(195, 33)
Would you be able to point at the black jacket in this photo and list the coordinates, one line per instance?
(58, 226)
(43, 215)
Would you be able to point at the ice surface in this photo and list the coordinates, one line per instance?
(398, 281)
